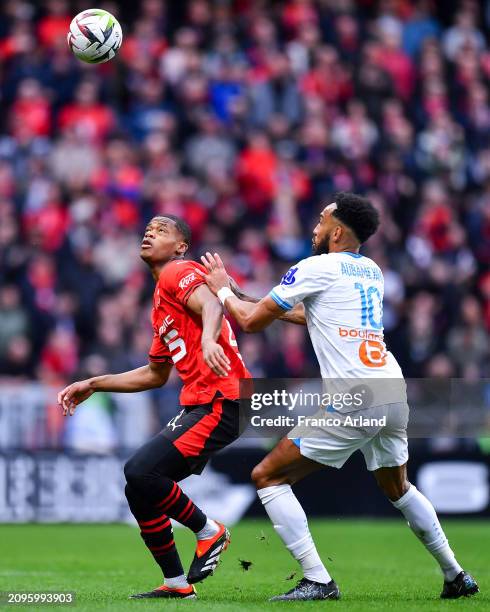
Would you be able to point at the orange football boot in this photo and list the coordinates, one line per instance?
(207, 555)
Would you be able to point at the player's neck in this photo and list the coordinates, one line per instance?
(156, 269)
(345, 248)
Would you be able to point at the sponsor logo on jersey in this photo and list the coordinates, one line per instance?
(289, 278)
(187, 280)
(361, 334)
(372, 349)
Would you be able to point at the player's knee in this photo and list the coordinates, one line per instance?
(262, 477)
(394, 490)
(131, 494)
(129, 471)
(133, 472)
(404, 486)
(259, 476)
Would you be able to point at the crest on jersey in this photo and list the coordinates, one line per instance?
(289, 278)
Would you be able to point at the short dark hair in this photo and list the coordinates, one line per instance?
(181, 225)
(357, 213)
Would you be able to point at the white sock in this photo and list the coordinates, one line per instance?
(290, 522)
(210, 529)
(422, 520)
(178, 582)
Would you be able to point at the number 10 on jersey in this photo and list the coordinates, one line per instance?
(371, 306)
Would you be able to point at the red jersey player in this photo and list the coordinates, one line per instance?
(190, 333)
(177, 336)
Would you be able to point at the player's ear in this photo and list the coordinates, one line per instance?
(182, 248)
(337, 233)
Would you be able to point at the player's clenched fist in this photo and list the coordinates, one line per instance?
(74, 394)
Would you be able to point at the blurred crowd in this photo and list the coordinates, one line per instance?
(244, 118)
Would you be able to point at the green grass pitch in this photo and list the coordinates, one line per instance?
(379, 565)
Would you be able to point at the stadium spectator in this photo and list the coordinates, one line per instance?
(14, 319)
(243, 122)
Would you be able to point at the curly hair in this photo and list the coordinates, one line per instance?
(357, 213)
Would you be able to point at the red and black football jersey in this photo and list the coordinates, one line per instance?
(177, 335)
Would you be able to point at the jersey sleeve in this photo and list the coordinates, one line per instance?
(158, 352)
(306, 278)
(183, 279)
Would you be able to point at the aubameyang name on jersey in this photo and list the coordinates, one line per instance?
(359, 271)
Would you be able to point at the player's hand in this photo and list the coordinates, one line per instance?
(217, 276)
(215, 357)
(74, 394)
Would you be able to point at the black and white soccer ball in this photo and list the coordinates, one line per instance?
(95, 36)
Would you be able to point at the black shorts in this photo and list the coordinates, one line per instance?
(198, 432)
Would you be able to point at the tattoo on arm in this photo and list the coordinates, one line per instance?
(240, 294)
(246, 298)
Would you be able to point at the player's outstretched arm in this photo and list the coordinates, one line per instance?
(250, 317)
(203, 302)
(296, 315)
(147, 377)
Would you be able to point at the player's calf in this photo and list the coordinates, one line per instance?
(153, 472)
(273, 476)
(423, 521)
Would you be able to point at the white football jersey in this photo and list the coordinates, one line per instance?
(343, 298)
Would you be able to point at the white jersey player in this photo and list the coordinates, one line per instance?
(338, 294)
(342, 295)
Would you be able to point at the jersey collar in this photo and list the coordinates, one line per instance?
(356, 255)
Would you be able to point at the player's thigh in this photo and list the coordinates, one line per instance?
(204, 430)
(333, 444)
(157, 457)
(207, 428)
(386, 455)
(385, 450)
(389, 447)
(283, 465)
(162, 456)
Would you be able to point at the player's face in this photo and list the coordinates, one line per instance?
(326, 228)
(161, 241)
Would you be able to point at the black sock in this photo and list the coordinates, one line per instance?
(153, 472)
(157, 533)
(175, 503)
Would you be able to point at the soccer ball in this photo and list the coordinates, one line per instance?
(95, 36)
